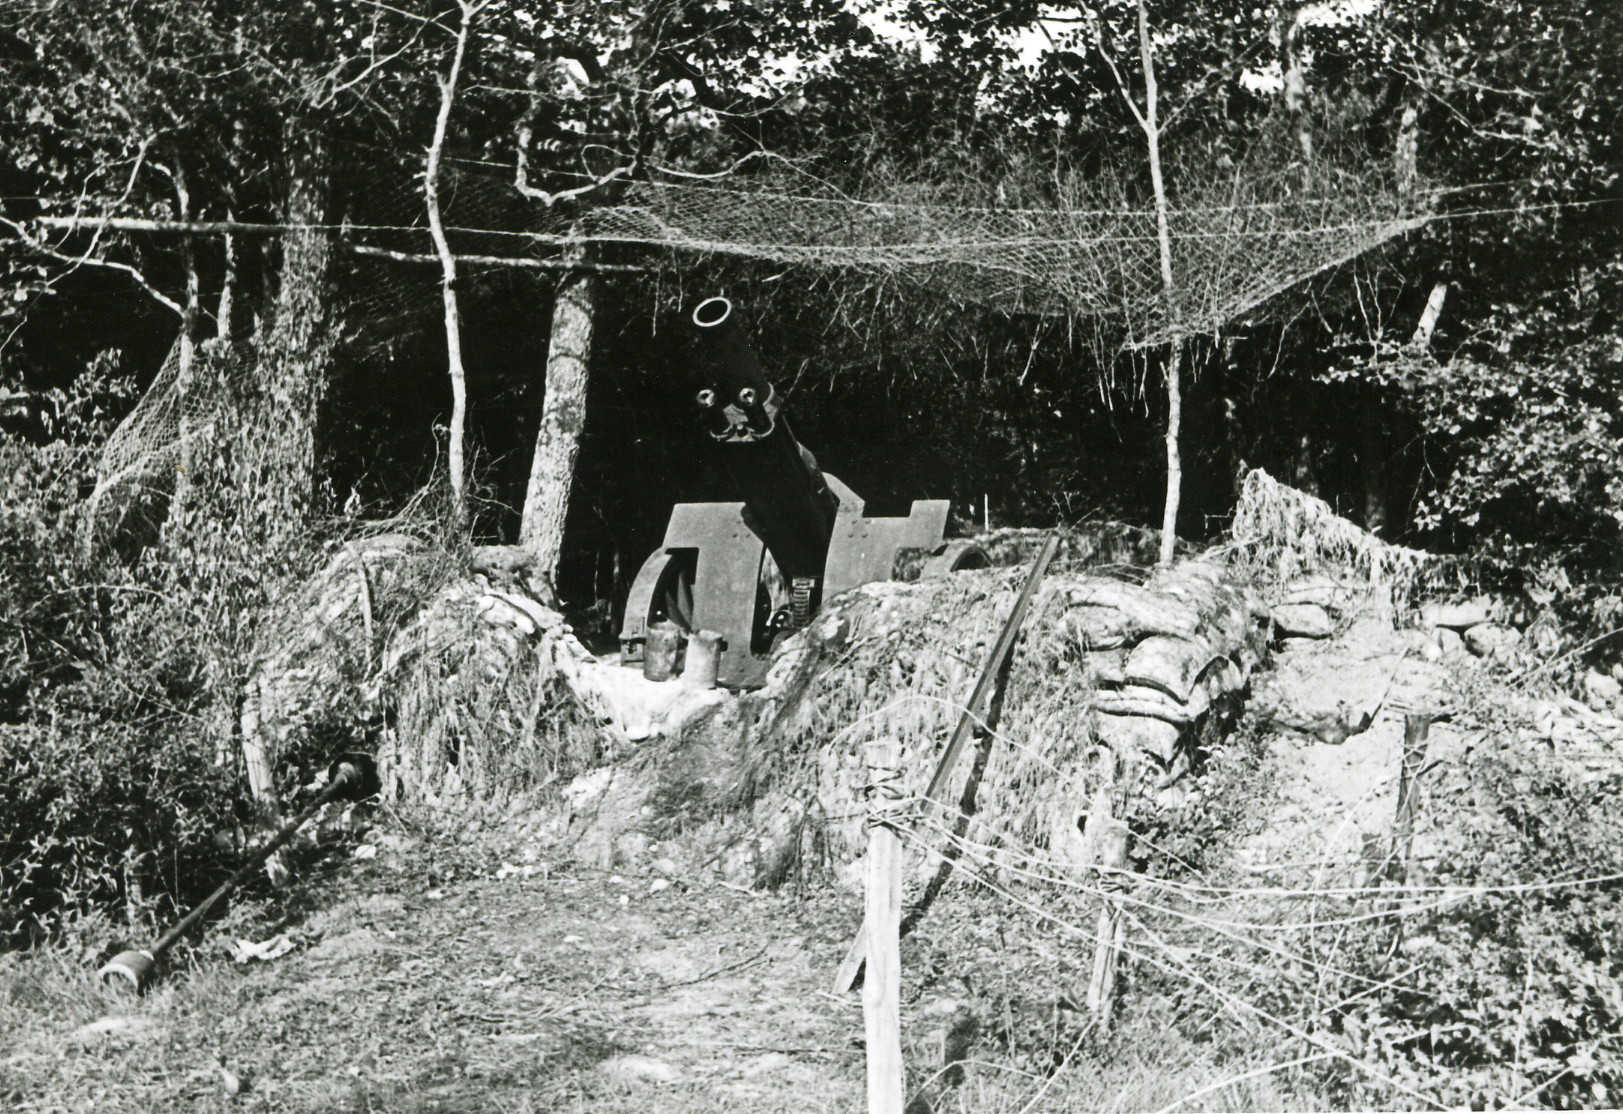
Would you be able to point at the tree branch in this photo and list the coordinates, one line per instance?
(521, 183)
(500, 261)
(76, 261)
(469, 9)
(1103, 44)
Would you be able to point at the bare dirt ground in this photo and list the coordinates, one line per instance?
(1331, 796)
(439, 977)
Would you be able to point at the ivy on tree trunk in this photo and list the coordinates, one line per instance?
(296, 349)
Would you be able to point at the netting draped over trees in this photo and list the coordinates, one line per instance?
(1243, 240)
(1239, 239)
(1085, 262)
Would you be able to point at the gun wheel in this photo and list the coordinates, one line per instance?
(960, 553)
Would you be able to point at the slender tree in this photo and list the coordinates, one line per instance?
(467, 12)
(1148, 118)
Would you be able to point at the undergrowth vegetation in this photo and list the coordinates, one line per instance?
(1505, 984)
(110, 721)
(129, 672)
(121, 669)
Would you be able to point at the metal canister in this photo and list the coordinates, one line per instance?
(661, 651)
(703, 659)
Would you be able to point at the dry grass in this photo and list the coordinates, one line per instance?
(478, 710)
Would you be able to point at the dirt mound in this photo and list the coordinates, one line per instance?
(768, 785)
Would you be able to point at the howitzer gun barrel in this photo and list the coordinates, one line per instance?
(787, 501)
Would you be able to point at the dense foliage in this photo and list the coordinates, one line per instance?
(1507, 994)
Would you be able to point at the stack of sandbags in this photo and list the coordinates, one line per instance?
(1162, 653)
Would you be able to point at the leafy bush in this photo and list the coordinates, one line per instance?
(98, 816)
(1521, 424)
(1516, 992)
(109, 720)
(1229, 788)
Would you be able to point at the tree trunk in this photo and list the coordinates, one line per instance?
(563, 416)
(1174, 494)
(1427, 325)
(1294, 72)
(228, 287)
(448, 275)
(1304, 473)
(176, 528)
(273, 457)
(296, 349)
(1150, 122)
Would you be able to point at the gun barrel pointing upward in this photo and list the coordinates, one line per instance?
(787, 500)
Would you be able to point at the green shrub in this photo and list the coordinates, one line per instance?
(111, 710)
(1509, 989)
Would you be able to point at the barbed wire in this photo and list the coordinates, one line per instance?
(1172, 961)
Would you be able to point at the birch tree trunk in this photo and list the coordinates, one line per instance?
(1150, 122)
(563, 416)
(448, 270)
(1295, 76)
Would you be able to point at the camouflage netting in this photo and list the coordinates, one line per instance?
(460, 682)
(182, 411)
(477, 702)
(1236, 243)
(1238, 237)
(768, 786)
(1284, 533)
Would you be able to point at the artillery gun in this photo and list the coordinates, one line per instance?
(756, 568)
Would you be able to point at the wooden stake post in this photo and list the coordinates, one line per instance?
(1416, 729)
(1108, 831)
(882, 987)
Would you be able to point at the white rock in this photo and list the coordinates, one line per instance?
(641, 1069)
(1601, 690)
(1449, 641)
(1304, 620)
(1460, 615)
